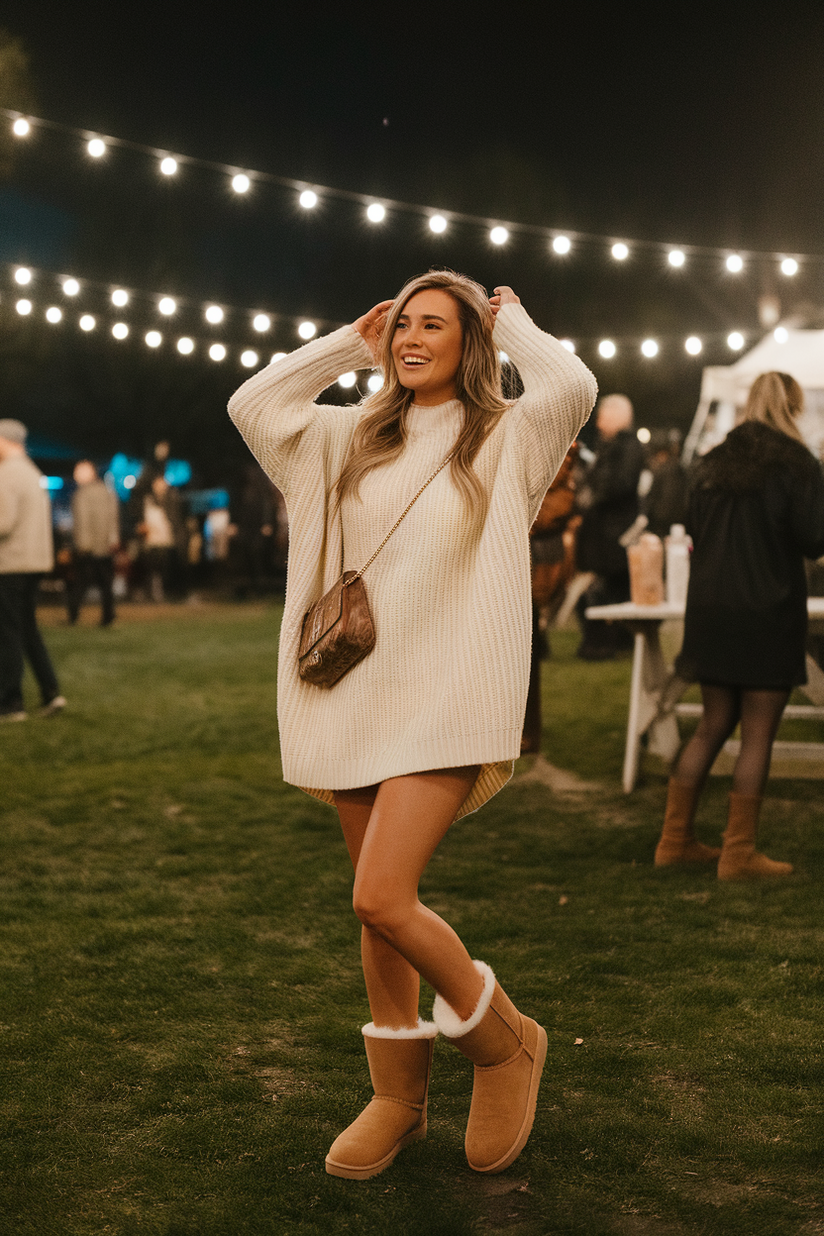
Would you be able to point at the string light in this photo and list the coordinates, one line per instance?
(217, 352)
(214, 314)
(185, 346)
(607, 349)
(249, 359)
(97, 147)
(167, 306)
(261, 322)
(649, 348)
(693, 345)
(499, 235)
(437, 224)
(120, 298)
(54, 315)
(23, 307)
(120, 330)
(734, 264)
(153, 338)
(568, 344)
(87, 322)
(347, 380)
(71, 287)
(735, 340)
(375, 382)
(781, 334)
(562, 244)
(307, 330)
(22, 275)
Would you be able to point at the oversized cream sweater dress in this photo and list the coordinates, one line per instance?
(447, 680)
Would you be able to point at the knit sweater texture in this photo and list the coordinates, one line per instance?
(446, 683)
(26, 545)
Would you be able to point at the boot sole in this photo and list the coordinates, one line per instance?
(348, 1172)
(529, 1119)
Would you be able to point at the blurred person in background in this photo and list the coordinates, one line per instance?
(26, 554)
(666, 500)
(756, 511)
(95, 536)
(609, 500)
(164, 533)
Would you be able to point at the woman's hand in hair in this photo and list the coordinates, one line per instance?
(370, 326)
(503, 296)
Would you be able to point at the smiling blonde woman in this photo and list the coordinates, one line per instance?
(426, 728)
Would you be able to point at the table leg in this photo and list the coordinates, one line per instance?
(636, 700)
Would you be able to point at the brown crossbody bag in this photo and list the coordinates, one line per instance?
(338, 630)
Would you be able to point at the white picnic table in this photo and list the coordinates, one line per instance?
(656, 691)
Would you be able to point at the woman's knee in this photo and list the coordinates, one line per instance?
(379, 908)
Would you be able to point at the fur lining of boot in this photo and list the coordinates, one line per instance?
(508, 1051)
(399, 1064)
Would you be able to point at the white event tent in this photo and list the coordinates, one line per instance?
(724, 388)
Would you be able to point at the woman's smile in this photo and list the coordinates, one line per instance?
(427, 346)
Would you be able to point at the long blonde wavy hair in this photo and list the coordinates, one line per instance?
(381, 433)
(777, 400)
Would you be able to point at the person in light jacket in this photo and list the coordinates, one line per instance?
(95, 536)
(26, 554)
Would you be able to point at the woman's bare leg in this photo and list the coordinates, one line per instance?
(392, 985)
(409, 817)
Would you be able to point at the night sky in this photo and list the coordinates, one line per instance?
(693, 124)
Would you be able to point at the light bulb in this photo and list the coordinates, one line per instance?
(307, 330)
(676, 257)
(437, 223)
(649, 348)
(562, 244)
(261, 322)
(53, 314)
(347, 380)
(568, 344)
(167, 306)
(734, 264)
(120, 330)
(87, 322)
(276, 356)
(70, 287)
(308, 199)
(22, 275)
(185, 345)
(607, 349)
(376, 213)
(735, 340)
(154, 338)
(781, 334)
(241, 183)
(249, 359)
(693, 345)
(168, 166)
(96, 148)
(375, 382)
(120, 297)
(217, 352)
(499, 235)
(23, 307)
(620, 251)
(789, 267)
(643, 435)
(21, 127)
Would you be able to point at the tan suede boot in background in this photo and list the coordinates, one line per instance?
(399, 1064)
(508, 1051)
(739, 859)
(677, 843)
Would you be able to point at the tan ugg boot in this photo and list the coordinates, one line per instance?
(508, 1051)
(677, 843)
(739, 859)
(399, 1064)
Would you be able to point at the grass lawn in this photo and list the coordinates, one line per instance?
(181, 1001)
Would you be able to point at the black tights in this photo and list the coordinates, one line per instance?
(759, 712)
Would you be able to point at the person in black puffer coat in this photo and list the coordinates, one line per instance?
(756, 510)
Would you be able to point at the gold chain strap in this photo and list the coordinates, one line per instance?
(399, 520)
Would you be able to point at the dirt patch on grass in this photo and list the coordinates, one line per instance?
(558, 780)
(128, 612)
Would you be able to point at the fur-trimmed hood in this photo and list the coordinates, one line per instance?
(747, 456)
